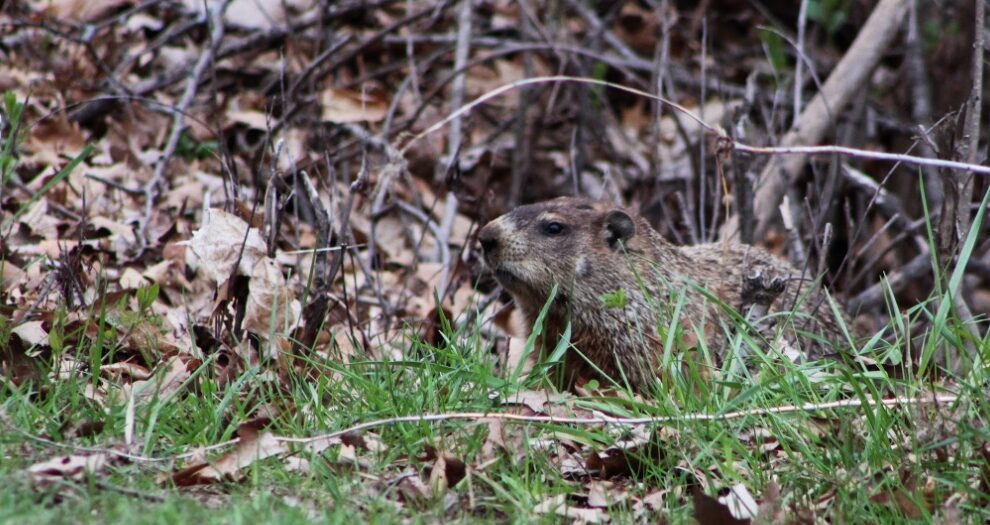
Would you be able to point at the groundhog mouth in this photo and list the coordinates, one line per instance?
(506, 278)
(510, 280)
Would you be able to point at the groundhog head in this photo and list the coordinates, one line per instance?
(534, 247)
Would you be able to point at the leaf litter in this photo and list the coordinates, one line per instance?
(223, 277)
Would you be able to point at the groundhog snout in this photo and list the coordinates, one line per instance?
(488, 239)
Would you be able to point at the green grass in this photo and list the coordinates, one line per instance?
(849, 458)
(858, 465)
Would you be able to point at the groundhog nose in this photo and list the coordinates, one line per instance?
(488, 240)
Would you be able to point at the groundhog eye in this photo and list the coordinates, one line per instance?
(553, 228)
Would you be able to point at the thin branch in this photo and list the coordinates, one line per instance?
(846, 80)
(152, 189)
(501, 90)
(631, 421)
(863, 154)
(600, 419)
(461, 54)
(799, 63)
(717, 131)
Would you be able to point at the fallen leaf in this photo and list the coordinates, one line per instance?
(412, 488)
(218, 245)
(131, 279)
(32, 333)
(79, 10)
(345, 105)
(251, 118)
(169, 378)
(66, 467)
(535, 400)
(559, 506)
(438, 476)
(270, 300)
(740, 502)
(711, 511)
(253, 445)
(126, 369)
(10, 275)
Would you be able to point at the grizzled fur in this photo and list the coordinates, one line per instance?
(593, 249)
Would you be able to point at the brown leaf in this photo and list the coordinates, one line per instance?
(345, 105)
(605, 494)
(438, 476)
(904, 496)
(771, 508)
(131, 279)
(125, 369)
(31, 333)
(270, 300)
(413, 490)
(253, 445)
(218, 244)
(66, 467)
(10, 275)
(166, 381)
(710, 511)
(79, 10)
(535, 400)
(654, 500)
(559, 506)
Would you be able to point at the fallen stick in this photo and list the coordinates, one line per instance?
(847, 79)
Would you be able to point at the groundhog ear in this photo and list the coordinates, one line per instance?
(619, 227)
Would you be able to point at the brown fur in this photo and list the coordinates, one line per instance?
(602, 249)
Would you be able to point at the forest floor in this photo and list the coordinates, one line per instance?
(219, 306)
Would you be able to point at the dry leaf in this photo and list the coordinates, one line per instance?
(256, 15)
(10, 275)
(251, 118)
(131, 279)
(218, 244)
(438, 476)
(252, 446)
(125, 369)
(413, 490)
(79, 10)
(710, 511)
(32, 333)
(558, 506)
(345, 105)
(535, 400)
(66, 467)
(167, 381)
(270, 300)
(740, 502)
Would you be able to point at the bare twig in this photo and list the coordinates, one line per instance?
(501, 90)
(522, 151)
(802, 151)
(873, 296)
(888, 204)
(597, 26)
(626, 65)
(318, 305)
(454, 136)
(863, 154)
(153, 188)
(633, 421)
(846, 79)
(921, 111)
(971, 132)
(956, 219)
(799, 64)
(894, 402)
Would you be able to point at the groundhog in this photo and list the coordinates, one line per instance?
(619, 284)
